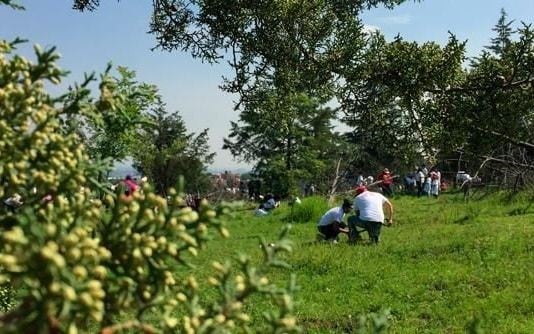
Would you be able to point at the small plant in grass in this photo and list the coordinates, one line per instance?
(79, 263)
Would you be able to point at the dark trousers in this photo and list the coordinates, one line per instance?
(387, 190)
(331, 231)
(419, 188)
(372, 228)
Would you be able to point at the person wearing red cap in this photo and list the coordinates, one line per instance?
(369, 207)
(129, 185)
(386, 182)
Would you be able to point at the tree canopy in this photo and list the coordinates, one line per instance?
(164, 151)
(406, 102)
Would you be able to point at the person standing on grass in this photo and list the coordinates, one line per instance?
(426, 185)
(420, 179)
(129, 186)
(369, 207)
(331, 223)
(360, 180)
(435, 180)
(386, 182)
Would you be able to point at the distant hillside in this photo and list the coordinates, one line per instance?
(122, 169)
(214, 170)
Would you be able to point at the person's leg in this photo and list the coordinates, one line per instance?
(354, 235)
(329, 231)
(373, 228)
(354, 224)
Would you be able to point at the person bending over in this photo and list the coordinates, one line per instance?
(369, 207)
(331, 223)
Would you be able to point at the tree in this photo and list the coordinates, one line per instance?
(109, 132)
(288, 140)
(164, 152)
(280, 51)
(418, 101)
(392, 100)
(493, 106)
(504, 32)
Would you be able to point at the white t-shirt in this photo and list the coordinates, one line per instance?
(370, 205)
(421, 177)
(332, 215)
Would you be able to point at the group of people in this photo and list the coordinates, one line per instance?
(384, 180)
(13, 202)
(369, 216)
(424, 182)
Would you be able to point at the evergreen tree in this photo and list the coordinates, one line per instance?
(504, 32)
(164, 151)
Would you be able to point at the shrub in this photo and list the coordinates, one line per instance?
(80, 263)
(310, 210)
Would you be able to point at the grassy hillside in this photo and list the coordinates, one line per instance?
(445, 264)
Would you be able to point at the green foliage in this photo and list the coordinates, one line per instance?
(164, 151)
(433, 274)
(504, 31)
(78, 263)
(289, 138)
(7, 297)
(309, 211)
(120, 112)
(407, 102)
(287, 57)
(410, 102)
(394, 114)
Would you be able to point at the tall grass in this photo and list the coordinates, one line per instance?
(310, 210)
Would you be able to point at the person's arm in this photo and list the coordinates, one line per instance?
(389, 211)
(342, 226)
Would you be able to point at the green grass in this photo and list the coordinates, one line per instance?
(445, 263)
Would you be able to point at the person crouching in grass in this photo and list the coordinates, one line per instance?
(331, 223)
(369, 207)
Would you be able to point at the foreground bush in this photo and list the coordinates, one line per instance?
(79, 263)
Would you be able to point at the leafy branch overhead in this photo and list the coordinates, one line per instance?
(405, 102)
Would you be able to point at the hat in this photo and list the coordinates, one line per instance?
(386, 170)
(347, 203)
(360, 190)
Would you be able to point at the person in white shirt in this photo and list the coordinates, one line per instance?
(435, 182)
(331, 223)
(420, 178)
(369, 207)
(360, 180)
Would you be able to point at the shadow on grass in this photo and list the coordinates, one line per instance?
(372, 323)
(464, 220)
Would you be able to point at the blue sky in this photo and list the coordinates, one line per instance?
(117, 32)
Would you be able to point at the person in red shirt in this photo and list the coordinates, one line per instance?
(129, 186)
(386, 182)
